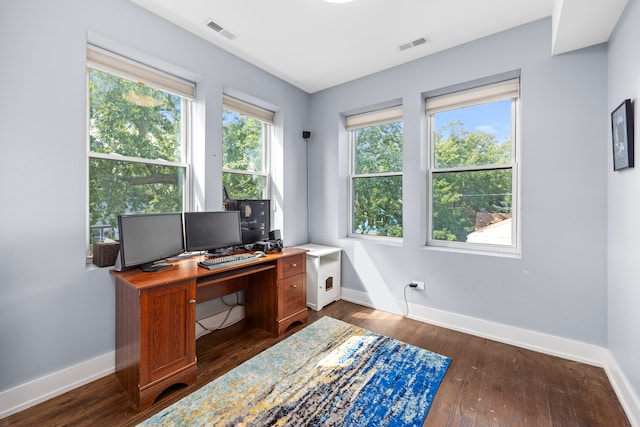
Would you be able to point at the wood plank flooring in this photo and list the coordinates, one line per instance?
(487, 384)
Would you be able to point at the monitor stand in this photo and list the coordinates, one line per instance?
(151, 267)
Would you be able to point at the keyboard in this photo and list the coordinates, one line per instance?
(226, 261)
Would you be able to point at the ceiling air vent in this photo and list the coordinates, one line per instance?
(215, 26)
(220, 29)
(414, 43)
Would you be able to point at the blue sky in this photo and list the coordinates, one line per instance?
(493, 118)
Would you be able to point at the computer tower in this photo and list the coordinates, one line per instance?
(255, 219)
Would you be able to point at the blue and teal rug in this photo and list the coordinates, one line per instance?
(330, 373)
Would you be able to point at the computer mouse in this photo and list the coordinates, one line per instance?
(259, 254)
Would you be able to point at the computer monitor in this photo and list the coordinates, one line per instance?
(212, 230)
(148, 238)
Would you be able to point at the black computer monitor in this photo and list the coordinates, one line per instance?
(209, 231)
(148, 238)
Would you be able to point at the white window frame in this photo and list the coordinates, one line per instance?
(120, 66)
(267, 118)
(508, 89)
(353, 123)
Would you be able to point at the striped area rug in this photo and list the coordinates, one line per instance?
(330, 373)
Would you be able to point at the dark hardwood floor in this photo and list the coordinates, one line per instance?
(487, 384)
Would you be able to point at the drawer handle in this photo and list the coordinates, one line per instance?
(192, 301)
(294, 265)
(294, 286)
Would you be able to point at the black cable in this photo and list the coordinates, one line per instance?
(308, 223)
(237, 304)
(221, 324)
(232, 305)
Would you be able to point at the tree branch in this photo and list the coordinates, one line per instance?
(153, 179)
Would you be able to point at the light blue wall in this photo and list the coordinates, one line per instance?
(623, 205)
(61, 314)
(54, 312)
(558, 286)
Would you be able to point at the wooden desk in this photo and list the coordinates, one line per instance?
(155, 314)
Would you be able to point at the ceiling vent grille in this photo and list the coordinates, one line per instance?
(220, 29)
(414, 43)
(214, 26)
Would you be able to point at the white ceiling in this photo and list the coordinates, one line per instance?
(314, 44)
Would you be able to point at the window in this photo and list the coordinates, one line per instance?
(139, 130)
(473, 169)
(375, 141)
(246, 133)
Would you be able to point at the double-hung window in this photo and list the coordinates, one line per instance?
(246, 130)
(375, 177)
(138, 142)
(473, 168)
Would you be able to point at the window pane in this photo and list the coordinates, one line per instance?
(242, 143)
(117, 187)
(377, 206)
(378, 149)
(133, 120)
(243, 186)
(473, 136)
(473, 206)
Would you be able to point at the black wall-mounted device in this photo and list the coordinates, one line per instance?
(306, 134)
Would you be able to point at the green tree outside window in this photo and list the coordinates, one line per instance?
(244, 156)
(136, 152)
(472, 180)
(377, 180)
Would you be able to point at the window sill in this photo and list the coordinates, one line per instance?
(388, 241)
(90, 266)
(501, 253)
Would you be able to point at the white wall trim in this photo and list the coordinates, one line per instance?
(626, 395)
(29, 394)
(356, 297)
(537, 341)
(524, 338)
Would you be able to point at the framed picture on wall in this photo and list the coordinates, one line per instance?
(622, 135)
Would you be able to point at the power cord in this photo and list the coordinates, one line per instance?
(307, 158)
(237, 304)
(232, 305)
(408, 285)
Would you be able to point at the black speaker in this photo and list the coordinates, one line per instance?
(306, 134)
(275, 235)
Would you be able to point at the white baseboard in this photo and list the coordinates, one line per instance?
(29, 394)
(356, 297)
(626, 395)
(537, 341)
(524, 338)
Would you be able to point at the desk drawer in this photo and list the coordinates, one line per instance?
(293, 295)
(291, 266)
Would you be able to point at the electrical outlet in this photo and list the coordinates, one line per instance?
(419, 285)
